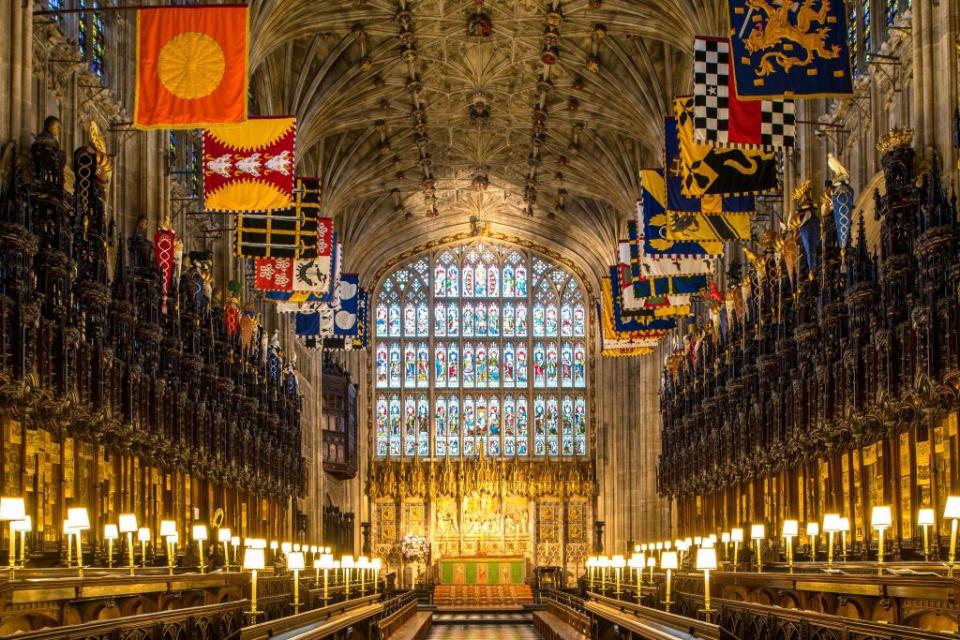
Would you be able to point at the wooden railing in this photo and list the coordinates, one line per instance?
(399, 611)
(218, 621)
(318, 623)
(748, 621)
(646, 622)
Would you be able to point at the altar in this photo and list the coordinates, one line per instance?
(482, 570)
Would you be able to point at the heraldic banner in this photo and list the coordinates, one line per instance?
(249, 167)
(191, 66)
(787, 49)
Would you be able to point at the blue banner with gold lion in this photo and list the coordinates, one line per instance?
(790, 49)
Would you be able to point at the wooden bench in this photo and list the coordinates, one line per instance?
(561, 623)
(406, 623)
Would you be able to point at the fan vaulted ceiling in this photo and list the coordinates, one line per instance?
(416, 120)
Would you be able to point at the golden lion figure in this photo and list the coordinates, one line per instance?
(779, 30)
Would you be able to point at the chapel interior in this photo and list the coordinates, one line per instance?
(441, 319)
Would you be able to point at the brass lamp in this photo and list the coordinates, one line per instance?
(669, 562)
(253, 562)
(844, 530)
(813, 532)
(295, 563)
(326, 563)
(831, 525)
(143, 535)
(603, 563)
(791, 529)
(926, 519)
(12, 510)
(110, 533)
(636, 562)
(757, 533)
(951, 512)
(22, 527)
(375, 566)
(881, 519)
(363, 565)
(652, 563)
(347, 563)
(128, 525)
(68, 534)
(591, 567)
(199, 535)
(736, 537)
(168, 531)
(274, 546)
(286, 548)
(706, 562)
(223, 537)
(725, 539)
(79, 522)
(618, 563)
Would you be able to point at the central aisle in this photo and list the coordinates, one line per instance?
(483, 632)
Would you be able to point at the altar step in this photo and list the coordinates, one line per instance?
(470, 596)
(480, 616)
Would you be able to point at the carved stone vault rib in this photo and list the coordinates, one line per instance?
(403, 103)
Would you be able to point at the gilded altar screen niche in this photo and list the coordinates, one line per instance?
(480, 398)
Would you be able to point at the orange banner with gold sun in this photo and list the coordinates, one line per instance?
(191, 66)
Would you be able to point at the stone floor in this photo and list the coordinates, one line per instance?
(484, 632)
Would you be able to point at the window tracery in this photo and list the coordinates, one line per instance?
(468, 339)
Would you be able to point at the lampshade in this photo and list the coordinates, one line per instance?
(831, 522)
(68, 528)
(173, 538)
(707, 542)
(167, 528)
(327, 550)
(376, 564)
(713, 538)
(296, 547)
(951, 511)
(688, 540)
(128, 523)
(758, 532)
(618, 562)
(813, 529)
(257, 543)
(295, 560)
(143, 534)
(313, 548)
(637, 561)
(845, 524)
(651, 561)
(603, 562)
(736, 535)
(223, 535)
(317, 563)
(925, 517)
(706, 558)
(23, 525)
(199, 532)
(347, 562)
(659, 546)
(12, 509)
(791, 528)
(363, 562)
(881, 517)
(274, 545)
(235, 541)
(79, 520)
(725, 537)
(669, 560)
(335, 565)
(326, 561)
(643, 547)
(110, 532)
(252, 559)
(697, 540)
(667, 545)
(286, 547)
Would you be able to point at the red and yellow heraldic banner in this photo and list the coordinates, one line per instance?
(191, 66)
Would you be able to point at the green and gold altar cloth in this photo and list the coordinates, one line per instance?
(482, 570)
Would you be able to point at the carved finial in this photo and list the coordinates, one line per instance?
(895, 139)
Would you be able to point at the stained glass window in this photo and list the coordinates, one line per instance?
(456, 333)
(90, 35)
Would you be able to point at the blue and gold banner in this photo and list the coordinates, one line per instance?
(790, 49)
(654, 211)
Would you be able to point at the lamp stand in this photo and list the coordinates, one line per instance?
(926, 543)
(618, 591)
(707, 611)
(667, 602)
(759, 556)
(880, 550)
(110, 554)
(829, 548)
(296, 591)
(736, 554)
(326, 595)
(253, 595)
(203, 568)
(639, 573)
(953, 546)
(79, 555)
(790, 553)
(130, 551)
(143, 553)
